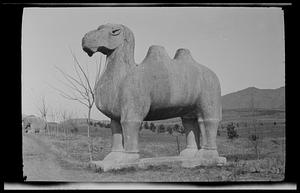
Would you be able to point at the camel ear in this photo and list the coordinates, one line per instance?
(116, 31)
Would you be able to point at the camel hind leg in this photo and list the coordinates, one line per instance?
(211, 115)
(192, 132)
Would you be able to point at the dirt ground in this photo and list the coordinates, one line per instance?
(42, 164)
(44, 161)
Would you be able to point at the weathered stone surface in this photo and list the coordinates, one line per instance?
(205, 157)
(145, 162)
(188, 152)
(219, 161)
(157, 161)
(107, 166)
(159, 88)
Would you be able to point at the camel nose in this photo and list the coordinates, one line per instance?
(87, 43)
(84, 41)
(85, 46)
(89, 37)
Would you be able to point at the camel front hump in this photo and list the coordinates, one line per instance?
(175, 82)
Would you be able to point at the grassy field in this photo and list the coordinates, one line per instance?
(245, 163)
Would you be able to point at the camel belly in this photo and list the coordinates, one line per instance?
(169, 112)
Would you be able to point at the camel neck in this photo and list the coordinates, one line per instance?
(119, 63)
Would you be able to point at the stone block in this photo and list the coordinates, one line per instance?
(156, 161)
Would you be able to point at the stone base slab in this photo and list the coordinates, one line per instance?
(156, 161)
(218, 161)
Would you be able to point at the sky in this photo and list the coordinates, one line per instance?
(243, 46)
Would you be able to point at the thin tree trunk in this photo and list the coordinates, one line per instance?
(177, 141)
(47, 126)
(89, 137)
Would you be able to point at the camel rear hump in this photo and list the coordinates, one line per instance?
(183, 54)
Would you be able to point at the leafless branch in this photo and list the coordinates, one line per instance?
(80, 83)
(69, 78)
(75, 99)
(69, 97)
(43, 109)
(82, 92)
(84, 74)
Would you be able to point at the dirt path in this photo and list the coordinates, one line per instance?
(39, 163)
(42, 164)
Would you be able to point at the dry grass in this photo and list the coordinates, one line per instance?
(242, 162)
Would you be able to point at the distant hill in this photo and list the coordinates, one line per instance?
(262, 98)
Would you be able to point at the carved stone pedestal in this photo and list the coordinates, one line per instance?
(156, 161)
(107, 166)
(218, 161)
(205, 157)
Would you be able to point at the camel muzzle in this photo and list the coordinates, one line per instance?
(88, 44)
(88, 51)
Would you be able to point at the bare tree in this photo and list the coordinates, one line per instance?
(63, 118)
(82, 88)
(255, 138)
(43, 109)
(73, 125)
(54, 116)
(69, 124)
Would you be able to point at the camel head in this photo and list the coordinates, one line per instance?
(106, 39)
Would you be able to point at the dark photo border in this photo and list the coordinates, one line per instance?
(11, 14)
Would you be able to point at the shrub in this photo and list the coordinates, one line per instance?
(146, 125)
(102, 124)
(231, 132)
(181, 130)
(161, 128)
(256, 142)
(170, 130)
(152, 127)
(253, 137)
(74, 129)
(218, 131)
(176, 128)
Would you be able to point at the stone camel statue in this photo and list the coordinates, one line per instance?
(158, 88)
(33, 124)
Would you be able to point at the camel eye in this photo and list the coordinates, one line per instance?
(115, 32)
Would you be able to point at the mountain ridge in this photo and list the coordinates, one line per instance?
(262, 98)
